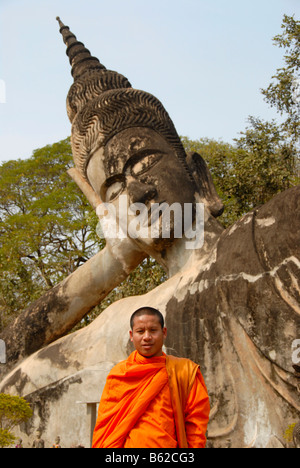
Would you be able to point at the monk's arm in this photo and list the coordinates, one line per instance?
(197, 414)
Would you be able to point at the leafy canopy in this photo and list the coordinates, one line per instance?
(14, 410)
(283, 93)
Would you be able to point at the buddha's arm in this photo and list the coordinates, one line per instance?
(61, 308)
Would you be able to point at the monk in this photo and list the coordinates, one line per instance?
(152, 400)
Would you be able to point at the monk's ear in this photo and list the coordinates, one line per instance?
(165, 332)
(130, 334)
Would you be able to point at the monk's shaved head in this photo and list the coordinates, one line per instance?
(147, 311)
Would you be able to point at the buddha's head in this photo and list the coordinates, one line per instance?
(124, 143)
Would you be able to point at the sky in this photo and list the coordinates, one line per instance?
(206, 60)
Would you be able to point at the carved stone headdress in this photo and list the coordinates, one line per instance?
(101, 103)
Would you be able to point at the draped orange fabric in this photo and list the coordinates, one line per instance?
(152, 402)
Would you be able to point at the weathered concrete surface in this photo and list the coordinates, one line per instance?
(236, 314)
(240, 318)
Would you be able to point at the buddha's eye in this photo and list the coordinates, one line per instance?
(145, 163)
(113, 190)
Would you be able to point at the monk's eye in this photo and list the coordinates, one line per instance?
(145, 163)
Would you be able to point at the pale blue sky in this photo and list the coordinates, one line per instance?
(206, 60)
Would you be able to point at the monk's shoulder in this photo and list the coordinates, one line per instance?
(180, 363)
(118, 368)
(123, 365)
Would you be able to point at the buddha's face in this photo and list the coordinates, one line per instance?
(139, 163)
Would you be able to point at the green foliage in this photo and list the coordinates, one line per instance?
(46, 226)
(265, 159)
(6, 438)
(14, 410)
(288, 435)
(282, 92)
(249, 173)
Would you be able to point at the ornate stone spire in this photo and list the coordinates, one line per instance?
(80, 58)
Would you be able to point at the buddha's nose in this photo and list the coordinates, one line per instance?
(140, 192)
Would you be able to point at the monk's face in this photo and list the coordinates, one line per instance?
(140, 164)
(148, 335)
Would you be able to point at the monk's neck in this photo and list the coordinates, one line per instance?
(148, 360)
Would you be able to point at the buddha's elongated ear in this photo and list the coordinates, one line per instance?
(205, 184)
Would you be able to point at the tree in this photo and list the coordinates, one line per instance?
(274, 148)
(265, 159)
(270, 164)
(14, 410)
(284, 92)
(47, 227)
(249, 173)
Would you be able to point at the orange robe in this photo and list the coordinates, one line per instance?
(158, 402)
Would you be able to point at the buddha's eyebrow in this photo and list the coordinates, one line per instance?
(139, 155)
(116, 167)
(137, 143)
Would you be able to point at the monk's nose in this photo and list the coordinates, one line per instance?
(147, 336)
